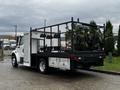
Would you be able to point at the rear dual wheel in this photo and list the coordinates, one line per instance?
(43, 66)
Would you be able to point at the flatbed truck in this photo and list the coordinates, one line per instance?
(46, 47)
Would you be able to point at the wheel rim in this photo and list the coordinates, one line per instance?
(42, 66)
(13, 60)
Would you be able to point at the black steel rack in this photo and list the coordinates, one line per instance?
(57, 34)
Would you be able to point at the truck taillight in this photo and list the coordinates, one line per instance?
(73, 57)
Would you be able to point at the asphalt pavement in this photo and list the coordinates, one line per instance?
(24, 78)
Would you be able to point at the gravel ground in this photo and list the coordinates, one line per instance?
(24, 78)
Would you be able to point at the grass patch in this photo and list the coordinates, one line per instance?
(114, 66)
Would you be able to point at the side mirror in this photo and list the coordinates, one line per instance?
(17, 40)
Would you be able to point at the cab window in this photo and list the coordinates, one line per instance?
(21, 41)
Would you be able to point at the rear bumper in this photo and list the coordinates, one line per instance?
(89, 61)
(92, 61)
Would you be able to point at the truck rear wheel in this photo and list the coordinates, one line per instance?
(43, 66)
(14, 61)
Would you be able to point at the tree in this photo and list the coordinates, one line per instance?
(79, 33)
(118, 41)
(85, 37)
(96, 37)
(109, 39)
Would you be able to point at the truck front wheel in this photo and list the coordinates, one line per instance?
(43, 66)
(14, 61)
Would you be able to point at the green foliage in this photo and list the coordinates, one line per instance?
(96, 36)
(80, 35)
(114, 66)
(85, 37)
(118, 42)
(109, 39)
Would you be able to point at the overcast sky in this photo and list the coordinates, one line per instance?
(26, 13)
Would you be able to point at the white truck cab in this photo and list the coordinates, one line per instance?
(18, 54)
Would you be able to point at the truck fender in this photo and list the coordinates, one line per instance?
(17, 56)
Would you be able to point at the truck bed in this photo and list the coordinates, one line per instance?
(82, 58)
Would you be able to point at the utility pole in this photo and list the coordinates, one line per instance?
(15, 32)
(45, 22)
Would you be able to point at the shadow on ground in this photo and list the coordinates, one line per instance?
(78, 74)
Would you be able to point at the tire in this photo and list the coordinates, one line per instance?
(43, 66)
(14, 61)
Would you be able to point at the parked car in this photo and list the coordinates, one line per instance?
(6, 45)
(12, 44)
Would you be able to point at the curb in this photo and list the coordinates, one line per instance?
(107, 72)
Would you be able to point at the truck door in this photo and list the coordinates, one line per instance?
(20, 49)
